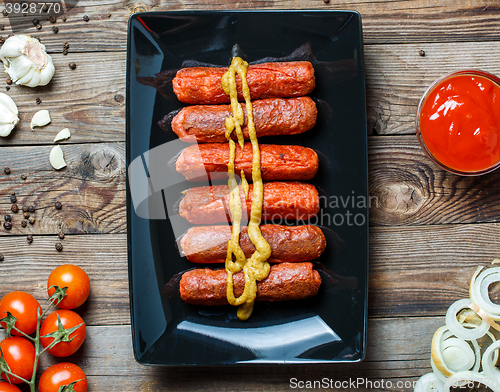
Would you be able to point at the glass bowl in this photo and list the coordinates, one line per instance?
(437, 83)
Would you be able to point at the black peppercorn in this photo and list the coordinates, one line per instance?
(31, 220)
(7, 225)
(45, 8)
(24, 223)
(6, 170)
(1, 257)
(59, 246)
(26, 215)
(55, 29)
(13, 198)
(58, 205)
(14, 208)
(5, 13)
(86, 18)
(63, 19)
(60, 235)
(65, 52)
(52, 19)
(38, 101)
(38, 26)
(7, 218)
(29, 238)
(25, 209)
(31, 208)
(7, 88)
(23, 177)
(72, 65)
(8, 81)
(421, 53)
(35, 21)
(119, 98)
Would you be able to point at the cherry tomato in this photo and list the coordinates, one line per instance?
(69, 319)
(77, 282)
(19, 354)
(63, 373)
(23, 307)
(6, 387)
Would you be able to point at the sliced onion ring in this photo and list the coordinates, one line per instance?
(485, 316)
(478, 290)
(428, 383)
(462, 378)
(459, 330)
(488, 361)
(438, 363)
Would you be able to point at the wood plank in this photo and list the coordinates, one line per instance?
(412, 272)
(398, 350)
(416, 271)
(82, 100)
(397, 77)
(91, 189)
(27, 267)
(384, 21)
(408, 189)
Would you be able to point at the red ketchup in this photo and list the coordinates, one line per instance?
(459, 122)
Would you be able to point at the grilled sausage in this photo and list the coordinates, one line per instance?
(286, 281)
(277, 162)
(282, 200)
(202, 85)
(208, 244)
(275, 116)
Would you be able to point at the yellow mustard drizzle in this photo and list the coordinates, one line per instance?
(256, 268)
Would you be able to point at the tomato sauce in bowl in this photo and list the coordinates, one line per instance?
(458, 122)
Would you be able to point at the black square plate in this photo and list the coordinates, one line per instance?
(330, 327)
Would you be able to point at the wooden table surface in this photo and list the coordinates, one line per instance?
(428, 232)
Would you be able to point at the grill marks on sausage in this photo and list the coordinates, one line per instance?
(201, 85)
(208, 244)
(274, 116)
(286, 281)
(277, 162)
(289, 200)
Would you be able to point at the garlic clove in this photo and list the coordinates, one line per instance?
(40, 119)
(47, 73)
(8, 115)
(5, 130)
(28, 76)
(56, 158)
(13, 46)
(63, 134)
(22, 54)
(18, 68)
(35, 80)
(8, 103)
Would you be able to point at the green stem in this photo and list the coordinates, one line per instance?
(23, 334)
(39, 318)
(31, 383)
(16, 376)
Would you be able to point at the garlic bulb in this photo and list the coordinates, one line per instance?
(26, 61)
(40, 119)
(8, 115)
